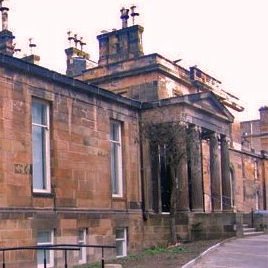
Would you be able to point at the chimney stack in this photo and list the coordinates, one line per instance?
(123, 44)
(264, 127)
(32, 58)
(77, 60)
(6, 37)
(264, 116)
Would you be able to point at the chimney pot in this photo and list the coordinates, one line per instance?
(124, 17)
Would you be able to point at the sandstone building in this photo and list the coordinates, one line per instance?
(74, 167)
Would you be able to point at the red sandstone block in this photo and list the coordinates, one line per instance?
(68, 223)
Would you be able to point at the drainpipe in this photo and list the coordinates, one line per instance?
(144, 214)
(264, 180)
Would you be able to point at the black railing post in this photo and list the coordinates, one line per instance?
(252, 217)
(45, 259)
(102, 258)
(65, 258)
(4, 263)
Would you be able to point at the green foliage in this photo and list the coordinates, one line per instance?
(160, 250)
(96, 265)
(92, 265)
(154, 250)
(146, 252)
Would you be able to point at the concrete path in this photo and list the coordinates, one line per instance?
(246, 252)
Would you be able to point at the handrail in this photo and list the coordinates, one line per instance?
(63, 247)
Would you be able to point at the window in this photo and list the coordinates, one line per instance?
(232, 186)
(40, 146)
(116, 158)
(257, 200)
(255, 169)
(82, 234)
(45, 238)
(121, 242)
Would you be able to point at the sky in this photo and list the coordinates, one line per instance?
(228, 39)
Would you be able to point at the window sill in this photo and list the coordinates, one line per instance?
(42, 194)
(118, 198)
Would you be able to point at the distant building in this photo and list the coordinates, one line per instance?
(74, 168)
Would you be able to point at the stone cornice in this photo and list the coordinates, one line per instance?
(156, 63)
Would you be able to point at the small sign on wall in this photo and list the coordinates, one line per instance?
(23, 169)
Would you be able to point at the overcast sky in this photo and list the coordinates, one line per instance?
(226, 38)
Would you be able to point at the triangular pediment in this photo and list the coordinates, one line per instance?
(201, 109)
(209, 103)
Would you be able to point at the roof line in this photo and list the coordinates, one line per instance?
(56, 77)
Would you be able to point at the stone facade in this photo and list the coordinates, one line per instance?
(223, 171)
(80, 196)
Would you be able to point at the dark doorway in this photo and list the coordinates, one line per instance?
(161, 180)
(165, 180)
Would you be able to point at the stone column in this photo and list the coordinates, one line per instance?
(225, 175)
(182, 174)
(215, 176)
(195, 170)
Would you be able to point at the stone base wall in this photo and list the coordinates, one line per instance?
(258, 220)
(20, 230)
(156, 230)
(212, 225)
(189, 226)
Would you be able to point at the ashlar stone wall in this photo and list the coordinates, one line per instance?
(81, 196)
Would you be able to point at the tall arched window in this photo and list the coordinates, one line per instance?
(232, 186)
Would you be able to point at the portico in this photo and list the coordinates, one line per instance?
(203, 127)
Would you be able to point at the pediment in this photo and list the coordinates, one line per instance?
(201, 109)
(208, 103)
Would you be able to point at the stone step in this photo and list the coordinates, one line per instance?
(248, 229)
(243, 225)
(253, 233)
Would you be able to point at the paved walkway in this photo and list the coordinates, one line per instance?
(246, 252)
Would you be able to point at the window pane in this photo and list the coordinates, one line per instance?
(115, 131)
(121, 242)
(120, 233)
(116, 158)
(44, 237)
(80, 254)
(119, 248)
(40, 256)
(82, 241)
(115, 167)
(81, 236)
(38, 144)
(39, 113)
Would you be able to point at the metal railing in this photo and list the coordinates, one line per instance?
(63, 247)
